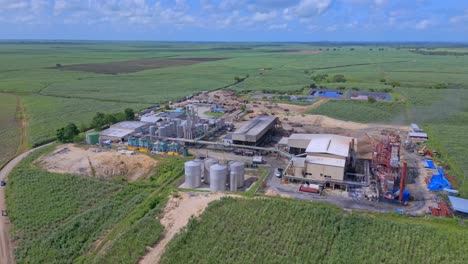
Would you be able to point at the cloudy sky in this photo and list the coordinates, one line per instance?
(236, 20)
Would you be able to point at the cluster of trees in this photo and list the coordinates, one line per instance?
(71, 133)
(272, 91)
(241, 79)
(323, 77)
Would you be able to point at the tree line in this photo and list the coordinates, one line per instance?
(71, 133)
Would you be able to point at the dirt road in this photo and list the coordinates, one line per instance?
(6, 248)
(176, 215)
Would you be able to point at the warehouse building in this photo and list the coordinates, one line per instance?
(255, 131)
(326, 160)
(120, 132)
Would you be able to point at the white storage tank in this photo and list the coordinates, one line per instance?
(208, 163)
(152, 130)
(193, 171)
(233, 181)
(238, 168)
(218, 177)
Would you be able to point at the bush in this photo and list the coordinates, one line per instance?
(355, 89)
(371, 99)
(339, 78)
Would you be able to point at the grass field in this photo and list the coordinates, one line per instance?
(59, 218)
(278, 231)
(53, 97)
(9, 128)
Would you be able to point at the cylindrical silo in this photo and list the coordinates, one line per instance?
(180, 131)
(208, 163)
(237, 167)
(161, 131)
(218, 177)
(152, 130)
(233, 181)
(192, 174)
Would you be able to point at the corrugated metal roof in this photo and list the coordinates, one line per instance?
(129, 125)
(283, 141)
(330, 144)
(115, 132)
(459, 204)
(417, 134)
(326, 161)
(255, 128)
(298, 162)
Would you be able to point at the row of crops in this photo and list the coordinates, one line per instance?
(280, 231)
(9, 129)
(57, 218)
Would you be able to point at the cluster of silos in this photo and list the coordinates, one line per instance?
(216, 175)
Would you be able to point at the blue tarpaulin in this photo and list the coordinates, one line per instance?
(429, 164)
(439, 182)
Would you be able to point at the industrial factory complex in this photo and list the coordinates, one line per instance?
(239, 149)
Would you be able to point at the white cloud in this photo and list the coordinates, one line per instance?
(312, 7)
(423, 24)
(261, 17)
(380, 2)
(12, 4)
(278, 26)
(461, 19)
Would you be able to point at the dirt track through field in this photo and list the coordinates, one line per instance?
(176, 215)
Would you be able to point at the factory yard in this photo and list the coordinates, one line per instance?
(97, 162)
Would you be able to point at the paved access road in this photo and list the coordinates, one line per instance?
(6, 248)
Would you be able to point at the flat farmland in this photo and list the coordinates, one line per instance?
(133, 65)
(10, 131)
(111, 76)
(280, 231)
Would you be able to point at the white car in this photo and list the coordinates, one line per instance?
(279, 172)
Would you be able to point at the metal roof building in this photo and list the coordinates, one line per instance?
(329, 144)
(122, 130)
(254, 130)
(417, 135)
(459, 204)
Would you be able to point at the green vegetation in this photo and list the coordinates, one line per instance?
(58, 218)
(53, 97)
(363, 112)
(9, 127)
(214, 114)
(67, 133)
(278, 231)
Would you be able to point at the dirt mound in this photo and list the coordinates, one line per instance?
(96, 162)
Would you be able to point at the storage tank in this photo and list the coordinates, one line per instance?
(218, 177)
(92, 138)
(161, 131)
(208, 163)
(156, 145)
(237, 167)
(180, 131)
(152, 130)
(233, 181)
(193, 174)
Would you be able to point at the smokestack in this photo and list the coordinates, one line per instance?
(402, 181)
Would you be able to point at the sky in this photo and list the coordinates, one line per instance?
(236, 20)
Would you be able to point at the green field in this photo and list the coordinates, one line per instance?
(279, 231)
(53, 97)
(58, 218)
(9, 128)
